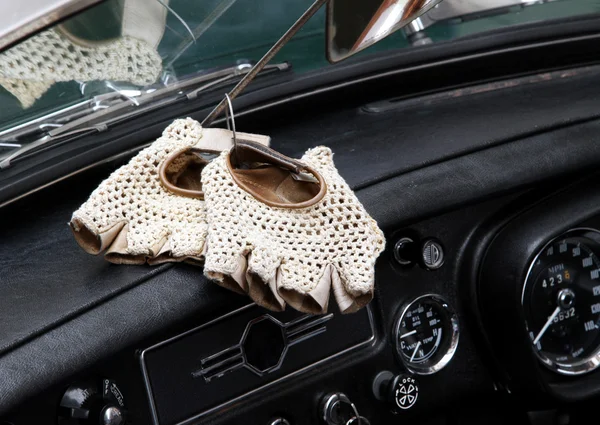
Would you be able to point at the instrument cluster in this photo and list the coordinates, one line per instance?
(561, 303)
(536, 296)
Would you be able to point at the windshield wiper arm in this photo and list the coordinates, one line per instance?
(159, 98)
(58, 118)
(75, 122)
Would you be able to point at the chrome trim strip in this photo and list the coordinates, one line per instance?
(20, 19)
(160, 344)
(233, 358)
(298, 331)
(369, 342)
(460, 9)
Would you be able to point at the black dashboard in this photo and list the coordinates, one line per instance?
(224, 369)
(472, 187)
(242, 361)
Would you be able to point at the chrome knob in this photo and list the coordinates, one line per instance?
(112, 416)
(280, 421)
(337, 409)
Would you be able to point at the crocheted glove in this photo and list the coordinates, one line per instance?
(289, 237)
(30, 68)
(40, 61)
(151, 209)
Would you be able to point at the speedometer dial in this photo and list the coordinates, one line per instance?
(561, 302)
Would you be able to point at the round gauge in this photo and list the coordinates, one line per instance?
(426, 334)
(561, 302)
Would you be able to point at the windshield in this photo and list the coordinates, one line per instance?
(132, 50)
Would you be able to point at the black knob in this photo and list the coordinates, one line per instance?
(94, 402)
(427, 253)
(401, 391)
(406, 251)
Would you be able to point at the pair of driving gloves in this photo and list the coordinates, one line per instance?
(281, 230)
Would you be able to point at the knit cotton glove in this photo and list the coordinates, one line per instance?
(152, 209)
(40, 61)
(286, 236)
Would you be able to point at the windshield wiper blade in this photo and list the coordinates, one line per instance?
(6, 162)
(120, 109)
(56, 119)
(154, 99)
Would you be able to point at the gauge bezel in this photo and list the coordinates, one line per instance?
(428, 367)
(591, 362)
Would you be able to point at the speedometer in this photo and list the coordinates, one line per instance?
(561, 302)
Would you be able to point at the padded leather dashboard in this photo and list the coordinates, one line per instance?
(415, 133)
(432, 157)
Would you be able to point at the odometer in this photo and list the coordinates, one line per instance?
(561, 302)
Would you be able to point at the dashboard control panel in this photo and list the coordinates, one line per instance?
(227, 359)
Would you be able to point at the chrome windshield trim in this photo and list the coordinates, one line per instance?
(21, 19)
(464, 10)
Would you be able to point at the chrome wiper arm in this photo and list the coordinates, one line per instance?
(158, 98)
(58, 118)
(74, 122)
(6, 162)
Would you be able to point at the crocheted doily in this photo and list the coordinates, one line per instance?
(293, 256)
(48, 57)
(135, 218)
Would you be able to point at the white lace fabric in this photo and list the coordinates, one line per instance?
(134, 218)
(31, 67)
(282, 256)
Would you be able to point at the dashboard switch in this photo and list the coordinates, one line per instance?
(427, 253)
(337, 409)
(401, 391)
(406, 251)
(432, 254)
(92, 403)
(112, 415)
(279, 421)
